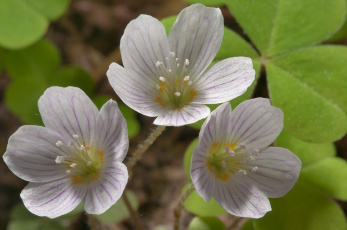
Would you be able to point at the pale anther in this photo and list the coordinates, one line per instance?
(69, 143)
(256, 152)
(178, 65)
(59, 159)
(243, 172)
(68, 171)
(87, 147)
(178, 94)
(170, 70)
(172, 54)
(255, 169)
(232, 153)
(157, 64)
(186, 78)
(224, 165)
(75, 136)
(242, 146)
(82, 147)
(89, 163)
(73, 165)
(251, 158)
(59, 143)
(162, 79)
(186, 62)
(190, 82)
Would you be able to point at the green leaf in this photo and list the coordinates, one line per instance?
(40, 60)
(308, 153)
(21, 97)
(303, 208)
(330, 175)
(195, 204)
(308, 115)
(20, 25)
(73, 76)
(188, 157)
(20, 212)
(3, 54)
(206, 223)
(119, 211)
(207, 2)
(248, 225)
(278, 26)
(51, 9)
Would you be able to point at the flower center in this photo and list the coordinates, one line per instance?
(174, 86)
(83, 162)
(225, 160)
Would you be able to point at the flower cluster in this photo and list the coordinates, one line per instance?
(78, 155)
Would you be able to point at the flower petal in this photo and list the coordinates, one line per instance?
(52, 199)
(69, 111)
(240, 198)
(203, 180)
(215, 127)
(256, 123)
(143, 44)
(31, 154)
(278, 170)
(112, 132)
(186, 115)
(226, 80)
(134, 92)
(107, 189)
(197, 35)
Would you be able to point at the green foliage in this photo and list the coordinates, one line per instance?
(329, 175)
(39, 69)
(248, 225)
(24, 22)
(119, 211)
(308, 153)
(278, 26)
(303, 208)
(206, 223)
(188, 157)
(129, 114)
(21, 218)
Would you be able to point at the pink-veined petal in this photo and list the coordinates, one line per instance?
(203, 180)
(183, 116)
(143, 44)
(112, 132)
(69, 111)
(216, 126)
(256, 123)
(278, 170)
(225, 81)
(107, 189)
(240, 198)
(54, 198)
(31, 154)
(197, 35)
(134, 92)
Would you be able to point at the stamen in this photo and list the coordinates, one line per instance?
(82, 147)
(59, 159)
(186, 62)
(256, 152)
(186, 78)
(68, 171)
(232, 153)
(87, 147)
(190, 83)
(255, 169)
(89, 163)
(178, 65)
(172, 54)
(242, 145)
(252, 158)
(75, 136)
(170, 70)
(243, 172)
(69, 143)
(224, 165)
(162, 79)
(178, 94)
(158, 64)
(73, 165)
(59, 143)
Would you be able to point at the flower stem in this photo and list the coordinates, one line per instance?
(179, 206)
(132, 212)
(92, 222)
(144, 146)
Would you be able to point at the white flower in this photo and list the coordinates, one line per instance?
(76, 157)
(234, 164)
(166, 77)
